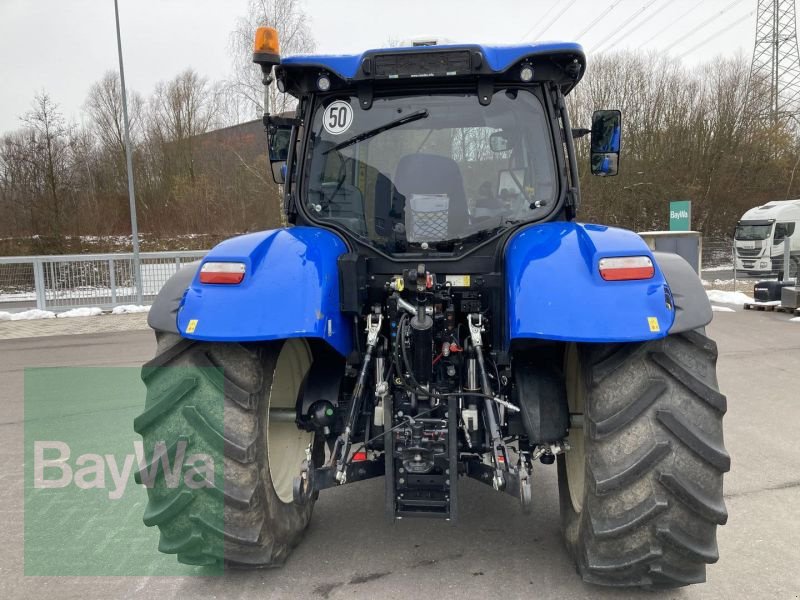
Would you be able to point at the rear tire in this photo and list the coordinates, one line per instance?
(216, 398)
(641, 488)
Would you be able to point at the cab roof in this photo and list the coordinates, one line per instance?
(780, 209)
(560, 62)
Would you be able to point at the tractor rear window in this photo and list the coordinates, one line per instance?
(431, 171)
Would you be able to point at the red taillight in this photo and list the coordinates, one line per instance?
(222, 272)
(627, 268)
(360, 456)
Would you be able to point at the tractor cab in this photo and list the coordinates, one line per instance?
(432, 149)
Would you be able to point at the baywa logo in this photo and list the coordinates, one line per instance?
(54, 467)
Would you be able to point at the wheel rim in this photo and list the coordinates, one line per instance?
(286, 444)
(575, 457)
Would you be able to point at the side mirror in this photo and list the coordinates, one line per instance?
(606, 142)
(279, 172)
(499, 142)
(279, 139)
(782, 231)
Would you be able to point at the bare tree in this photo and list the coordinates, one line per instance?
(687, 134)
(103, 106)
(183, 107)
(180, 110)
(292, 22)
(49, 154)
(19, 186)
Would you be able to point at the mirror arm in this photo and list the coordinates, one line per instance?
(580, 133)
(289, 204)
(574, 191)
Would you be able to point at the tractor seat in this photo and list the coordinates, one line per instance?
(431, 219)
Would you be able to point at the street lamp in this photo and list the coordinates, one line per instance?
(137, 265)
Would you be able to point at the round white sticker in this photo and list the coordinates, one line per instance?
(338, 117)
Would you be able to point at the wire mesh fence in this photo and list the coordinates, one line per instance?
(102, 280)
(717, 254)
(725, 266)
(17, 282)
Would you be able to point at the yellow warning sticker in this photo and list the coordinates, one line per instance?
(459, 281)
(191, 326)
(654, 326)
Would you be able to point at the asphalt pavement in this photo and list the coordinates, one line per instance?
(350, 551)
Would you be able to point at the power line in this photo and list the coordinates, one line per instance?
(547, 14)
(725, 29)
(683, 16)
(597, 20)
(621, 31)
(705, 23)
(657, 12)
(556, 18)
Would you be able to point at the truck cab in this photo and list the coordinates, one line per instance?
(760, 238)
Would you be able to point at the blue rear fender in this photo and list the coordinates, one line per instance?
(555, 291)
(290, 290)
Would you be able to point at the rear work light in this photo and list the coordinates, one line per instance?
(222, 272)
(627, 268)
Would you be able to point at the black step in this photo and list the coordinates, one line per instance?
(422, 503)
(431, 495)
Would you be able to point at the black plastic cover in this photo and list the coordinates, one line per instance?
(692, 308)
(352, 283)
(540, 391)
(163, 314)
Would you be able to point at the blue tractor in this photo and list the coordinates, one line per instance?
(433, 312)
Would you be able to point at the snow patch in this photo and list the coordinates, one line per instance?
(795, 320)
(723, 297)
(722, 309)
(128, 309)
(719, 268)
(80, 312)
(17, 296)
(28, 315)
(718, 282)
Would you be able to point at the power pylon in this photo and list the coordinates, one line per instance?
(776, 59)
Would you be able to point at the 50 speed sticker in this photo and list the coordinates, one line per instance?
(338, 117)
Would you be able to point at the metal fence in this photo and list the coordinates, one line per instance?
(717, 254)
(73, 281)
(719, 258)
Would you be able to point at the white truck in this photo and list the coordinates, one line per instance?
(760, 237)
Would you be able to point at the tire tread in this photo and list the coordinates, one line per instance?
(650, 513)
(231, 522)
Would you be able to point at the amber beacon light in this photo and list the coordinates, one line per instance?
(266, 50)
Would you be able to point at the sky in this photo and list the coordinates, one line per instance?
(63, 46)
